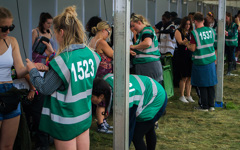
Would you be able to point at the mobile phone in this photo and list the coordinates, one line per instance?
(40, 48)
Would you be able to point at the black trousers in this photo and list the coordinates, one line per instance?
(230, 59)
(207, 96)
(33, 114)
(147, 129)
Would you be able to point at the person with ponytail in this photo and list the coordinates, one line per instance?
(146, 52)
(67, 85)
(102, 31)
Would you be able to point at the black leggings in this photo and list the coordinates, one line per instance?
(141, 129)
(230, 59)
(207, 96)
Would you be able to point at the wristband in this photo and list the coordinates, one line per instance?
(35, 91)
(53, 54)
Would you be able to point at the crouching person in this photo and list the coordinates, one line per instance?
(147, 103)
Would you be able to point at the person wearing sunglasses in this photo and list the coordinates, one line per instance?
(10, 56)
(102, 32)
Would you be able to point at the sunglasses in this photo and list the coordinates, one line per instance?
(109, 32)
(6, 28)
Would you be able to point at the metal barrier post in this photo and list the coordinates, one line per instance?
(121, 74)
(220, 52)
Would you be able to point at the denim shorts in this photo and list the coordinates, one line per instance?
(4, 88)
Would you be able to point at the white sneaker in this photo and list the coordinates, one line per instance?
(189, 98)
(231, 74)
(183, 99)
(211, 109)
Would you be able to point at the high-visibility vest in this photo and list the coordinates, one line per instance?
(167, 44)
(66, 114)
(149, 54)
(205, 52)
(233, 40)
(145, 92)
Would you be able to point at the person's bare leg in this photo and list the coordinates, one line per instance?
(99, 114)
(65, 145)
(182, 84)
(83, 141)
(9, 128)
(188, 87)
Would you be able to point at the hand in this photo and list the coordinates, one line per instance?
(49, 49)
(41, 67)
(185, 41)
(226, 33)
(133, 53)
(31, 95)
(132, 47)
(30, 65)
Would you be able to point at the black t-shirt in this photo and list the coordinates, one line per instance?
(159, 25)
(147, 35)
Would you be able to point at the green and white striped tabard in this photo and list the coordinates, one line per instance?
(231, 41)
(66, 114)
(150, 54)
(144, 92)
(205, 52)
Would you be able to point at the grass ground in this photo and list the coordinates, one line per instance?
(183, 128)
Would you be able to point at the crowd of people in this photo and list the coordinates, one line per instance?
(65, 80)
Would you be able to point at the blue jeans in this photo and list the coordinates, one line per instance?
(4, 88)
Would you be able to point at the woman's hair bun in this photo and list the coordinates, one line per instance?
(94, 30)
(70, 14)
(71, 11)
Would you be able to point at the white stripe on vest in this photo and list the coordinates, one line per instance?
(140, 106)
(65, 120)
(204, 56)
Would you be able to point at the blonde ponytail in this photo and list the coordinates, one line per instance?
(74, 32)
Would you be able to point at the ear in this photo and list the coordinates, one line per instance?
(102, 97)
(61, 32)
